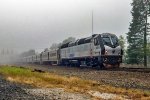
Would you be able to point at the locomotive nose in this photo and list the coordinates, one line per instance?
(113, 51)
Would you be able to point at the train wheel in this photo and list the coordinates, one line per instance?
(78, 64)
(100, 66)
(108, 66)
(117, 65)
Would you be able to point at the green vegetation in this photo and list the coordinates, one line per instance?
(138, 31)
(122, 42)
(73, 84)
(148, 49)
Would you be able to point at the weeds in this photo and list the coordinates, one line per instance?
(74, 84)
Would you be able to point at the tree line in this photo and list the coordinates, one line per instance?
(138, 48)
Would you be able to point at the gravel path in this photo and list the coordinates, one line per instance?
(57, 94)
(138, 80)
(13, 91)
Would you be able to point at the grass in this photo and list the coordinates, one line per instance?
(73, 84)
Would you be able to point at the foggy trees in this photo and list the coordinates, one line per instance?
(46, 49)
(28, 53)
(122, 42)
(136, 37)
(70, 39)
(6, 52)
(54, 46)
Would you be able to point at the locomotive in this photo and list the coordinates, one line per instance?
(99, 50)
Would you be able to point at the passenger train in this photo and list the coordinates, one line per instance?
(99, 50)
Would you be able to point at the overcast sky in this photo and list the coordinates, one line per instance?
(36, 24)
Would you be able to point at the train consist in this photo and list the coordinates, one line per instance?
(99, 50)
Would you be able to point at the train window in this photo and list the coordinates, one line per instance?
(114, 40)
(88, 40)
(95, 41)
(52, 54)
(107, 41)
(81, 41)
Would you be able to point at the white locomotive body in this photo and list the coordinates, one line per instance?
(101, 50)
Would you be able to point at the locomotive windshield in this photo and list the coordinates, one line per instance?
(114, 40)
(107, 41)
(110, 40)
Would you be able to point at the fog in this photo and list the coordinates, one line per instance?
(36, 24)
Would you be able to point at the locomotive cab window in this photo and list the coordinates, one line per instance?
(107, 41)
(96, 41)
(114, 40)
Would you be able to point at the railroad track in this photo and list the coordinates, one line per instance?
(142, 70)
(138, 78)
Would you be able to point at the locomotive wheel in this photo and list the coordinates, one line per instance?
(100, 67)
(117, 65)
(109, 66)
(78, 64)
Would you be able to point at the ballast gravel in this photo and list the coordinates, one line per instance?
(14, 91)
(125, 79)
(57, 94)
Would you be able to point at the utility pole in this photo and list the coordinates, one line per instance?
(145, 33)
(92, 23)
(145, 42)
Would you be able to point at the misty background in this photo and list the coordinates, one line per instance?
(36, 24)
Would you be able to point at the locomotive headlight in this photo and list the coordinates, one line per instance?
(106, 52)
